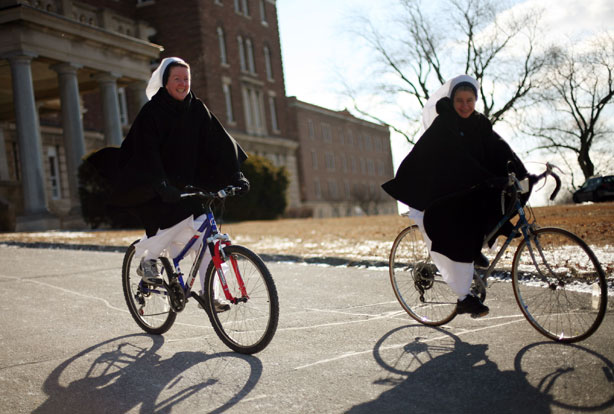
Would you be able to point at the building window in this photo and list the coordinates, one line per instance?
(380, 168)
(363, 166)
(330, 161)
(218, 2)
(333, 192)
(310, 129)
(251, 66)
(379, 144)
(254, 110)
(344, 163)
(241, 7)
(314, 159)
(340, 132)
(123, 107)
(273, 110)
(354, 164)
(370, 167)
(326, 133)
(317, 189)
(222, 44)
(350, 138)
(242, 61)
(267, 63)
(263, 18)
(346, 185)
(367, 140)
(54, 173)
(228, 99)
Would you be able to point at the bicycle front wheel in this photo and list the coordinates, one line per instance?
(559, 285)
(250, 323)
(416, 281)
(148, 306)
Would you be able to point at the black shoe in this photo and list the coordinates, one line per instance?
(481, 261)
(471, 305)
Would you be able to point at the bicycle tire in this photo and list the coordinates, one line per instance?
(416, 282)
(150, 311)
(248, 326)
(564, 294)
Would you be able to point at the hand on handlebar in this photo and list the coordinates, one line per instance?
(241, 183)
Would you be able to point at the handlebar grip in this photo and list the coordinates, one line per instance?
(558, 186)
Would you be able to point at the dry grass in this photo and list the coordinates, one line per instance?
(350, 237)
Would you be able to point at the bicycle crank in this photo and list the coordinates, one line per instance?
(176, 295)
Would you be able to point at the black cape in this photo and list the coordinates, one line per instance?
(180, 142)
(445, 175)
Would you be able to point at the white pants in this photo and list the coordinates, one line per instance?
(457, 275)
(171, 241)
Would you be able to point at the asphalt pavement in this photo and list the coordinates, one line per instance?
(69, 345)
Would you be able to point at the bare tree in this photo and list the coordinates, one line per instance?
(471, 38)
(576, 90)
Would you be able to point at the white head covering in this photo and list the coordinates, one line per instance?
(155, 82)
(429, 112)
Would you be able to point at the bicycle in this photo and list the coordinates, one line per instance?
(246, 285)
(558, 281)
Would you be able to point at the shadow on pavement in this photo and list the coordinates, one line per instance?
(120, 374)
(433, 373)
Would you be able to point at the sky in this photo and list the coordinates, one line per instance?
(319, 49)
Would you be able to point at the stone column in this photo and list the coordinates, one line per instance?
(72, 124)
(137, 98)
(28, 135)
(110, 108)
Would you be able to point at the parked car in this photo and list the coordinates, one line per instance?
(595, 189)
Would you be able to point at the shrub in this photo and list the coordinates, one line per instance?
(267, 197)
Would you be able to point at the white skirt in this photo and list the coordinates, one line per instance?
(458, 275)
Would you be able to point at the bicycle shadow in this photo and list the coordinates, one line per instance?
(445, 374)
(577, 378)
(127, 372)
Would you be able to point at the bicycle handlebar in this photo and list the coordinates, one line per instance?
(219, 195)
(550, 172)
(517, 186)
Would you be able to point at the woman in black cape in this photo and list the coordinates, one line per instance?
(173, 142)
(444, 180)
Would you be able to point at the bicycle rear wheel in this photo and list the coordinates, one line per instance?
(148, 306)
(559, 285)
(250, 323)
(417, 284)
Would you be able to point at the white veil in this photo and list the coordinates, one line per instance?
(429, 113)
(155, 82)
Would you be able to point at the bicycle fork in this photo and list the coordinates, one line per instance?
(219, 257)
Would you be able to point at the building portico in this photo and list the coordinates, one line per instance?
(50, 55)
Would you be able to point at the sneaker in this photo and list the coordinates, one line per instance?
(148, 270)
(481, 261)
(471, 305)
(219, 305)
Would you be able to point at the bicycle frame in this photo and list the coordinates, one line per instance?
(522, 227)
(208, 232)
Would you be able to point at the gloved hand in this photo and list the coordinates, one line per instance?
(168, 193)
(239, 180)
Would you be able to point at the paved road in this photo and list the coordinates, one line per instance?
(68, 345)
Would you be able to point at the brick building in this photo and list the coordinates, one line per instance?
(73, 76)
(343, 160)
